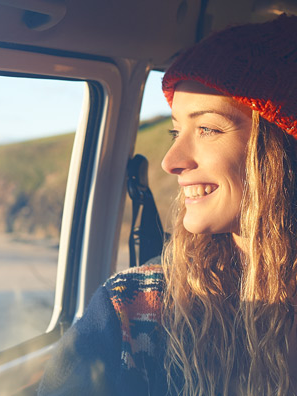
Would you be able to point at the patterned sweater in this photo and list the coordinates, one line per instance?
(117, 348)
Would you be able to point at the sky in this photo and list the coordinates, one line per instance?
(31, 108)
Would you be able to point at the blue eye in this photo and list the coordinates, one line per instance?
(173, 133)
(205, 131)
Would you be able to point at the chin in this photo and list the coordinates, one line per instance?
(210, 229)
(196, 228)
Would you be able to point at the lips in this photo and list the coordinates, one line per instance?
(199, 190)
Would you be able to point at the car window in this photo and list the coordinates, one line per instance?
(38, 119)
(152, 141)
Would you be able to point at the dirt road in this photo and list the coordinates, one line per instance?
(27, 285)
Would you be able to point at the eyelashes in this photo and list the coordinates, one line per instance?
(173, 133)
(203, 132)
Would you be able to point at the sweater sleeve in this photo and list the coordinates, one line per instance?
(87, 359)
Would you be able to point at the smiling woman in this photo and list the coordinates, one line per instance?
(230, 266)
(217, 317)
(208, 155)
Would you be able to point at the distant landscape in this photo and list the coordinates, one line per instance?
(33, 177)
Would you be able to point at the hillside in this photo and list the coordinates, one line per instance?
(33, 177)
(32, 184)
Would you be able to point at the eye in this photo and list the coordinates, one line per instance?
(173, 133)
(205, 131)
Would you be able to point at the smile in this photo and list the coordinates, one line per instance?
(199, 190)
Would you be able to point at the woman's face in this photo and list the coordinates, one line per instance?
(208, 155)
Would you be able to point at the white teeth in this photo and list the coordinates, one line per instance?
(193, 191)
(198, 190)
(208, 189)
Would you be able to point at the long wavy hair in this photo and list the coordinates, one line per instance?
(228, 314)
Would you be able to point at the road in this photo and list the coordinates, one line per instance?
(27, 283)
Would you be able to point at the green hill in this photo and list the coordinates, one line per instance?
(32, 183)
(33, 178)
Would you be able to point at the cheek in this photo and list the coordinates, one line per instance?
(232, 171)
(237, 176)
(235, 164)
(229, 165)
(236, 180)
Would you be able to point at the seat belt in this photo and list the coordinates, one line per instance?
(149, 236)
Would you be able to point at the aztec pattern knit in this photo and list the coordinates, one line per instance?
(117, 347)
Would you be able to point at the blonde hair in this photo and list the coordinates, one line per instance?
(227, 314)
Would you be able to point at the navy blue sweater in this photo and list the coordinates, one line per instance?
(117, 348)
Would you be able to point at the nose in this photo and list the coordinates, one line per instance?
(180, 157)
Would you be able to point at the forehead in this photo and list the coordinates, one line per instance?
(190, 96)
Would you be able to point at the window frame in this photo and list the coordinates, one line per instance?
(122, 81)
(102, 102)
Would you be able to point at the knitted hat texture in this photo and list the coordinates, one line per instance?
(255, 64)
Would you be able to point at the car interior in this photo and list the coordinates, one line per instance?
(110, 48)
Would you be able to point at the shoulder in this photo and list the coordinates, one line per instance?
(136, 295)
(137, 290)
(148, 276)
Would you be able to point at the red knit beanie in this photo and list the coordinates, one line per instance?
(255, 64)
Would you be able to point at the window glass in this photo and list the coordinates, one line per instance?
(38, 119)
(153, 141)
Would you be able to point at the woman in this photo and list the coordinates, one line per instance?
(218, 317)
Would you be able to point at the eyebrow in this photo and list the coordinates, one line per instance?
(195, 114)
